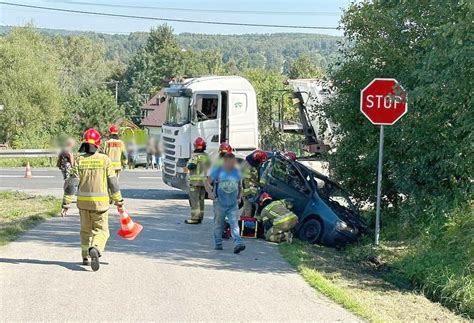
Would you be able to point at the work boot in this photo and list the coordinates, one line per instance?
(85, 261)
(94, 253)
(289, 237)
(218, 247)
(239, 248)
(191, 221)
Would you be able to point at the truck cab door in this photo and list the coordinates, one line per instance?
(206, 112)
(242, 120)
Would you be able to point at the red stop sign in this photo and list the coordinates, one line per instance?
(383, 101)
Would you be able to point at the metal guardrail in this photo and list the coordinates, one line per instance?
(28, 153)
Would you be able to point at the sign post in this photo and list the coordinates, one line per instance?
(383, 102)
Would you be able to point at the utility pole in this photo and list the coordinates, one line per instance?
(116, 83)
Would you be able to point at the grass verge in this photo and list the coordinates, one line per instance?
(20, 212)
(359, 288)
(21, 162)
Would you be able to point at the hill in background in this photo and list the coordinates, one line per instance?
(270, 51)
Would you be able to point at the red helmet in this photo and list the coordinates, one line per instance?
(265, 196)
(291, 155)
(199, 143)
(225, 148)
(260, 156)
(114, 130)
(92, 136)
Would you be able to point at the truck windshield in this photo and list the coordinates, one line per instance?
(177, 112)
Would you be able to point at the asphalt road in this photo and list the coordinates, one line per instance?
(169, 273)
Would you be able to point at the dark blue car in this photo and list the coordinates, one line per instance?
(326, 214)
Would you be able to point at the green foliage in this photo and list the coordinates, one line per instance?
(429, 158)
(160, 59)
(272, 93)
(29, 88)
(21, 162)
(304, 68)
(83, 64)
(97, 110)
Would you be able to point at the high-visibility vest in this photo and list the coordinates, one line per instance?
(198, 175)
(115, 149)
(279, 215)
(249, 179)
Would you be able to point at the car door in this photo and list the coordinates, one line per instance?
(283, 180)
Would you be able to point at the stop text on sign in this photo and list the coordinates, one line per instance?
(383, 101)
(380, 101)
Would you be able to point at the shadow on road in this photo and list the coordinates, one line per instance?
(153, 194)
(165, 238)
(68, 265)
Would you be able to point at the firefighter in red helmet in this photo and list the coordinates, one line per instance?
(95, 175)
(115, 149)
(198, 167)
(250, 167)
(291, 155)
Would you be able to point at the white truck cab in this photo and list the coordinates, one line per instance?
(216, 108)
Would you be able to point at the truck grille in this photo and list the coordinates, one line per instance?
(170, 163)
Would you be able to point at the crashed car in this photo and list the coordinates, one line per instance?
(325, 211)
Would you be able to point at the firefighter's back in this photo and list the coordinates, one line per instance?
(92, 191)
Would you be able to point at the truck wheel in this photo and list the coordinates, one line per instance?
(311, 230)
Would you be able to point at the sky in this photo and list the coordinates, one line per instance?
(282, 12)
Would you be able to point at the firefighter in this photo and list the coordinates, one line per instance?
(291, 155)
(250, 168)
(277, 218)
(224, 149)
(198, 167)
(96, 174)
(115, 149)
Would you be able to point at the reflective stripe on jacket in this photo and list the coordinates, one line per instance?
(250, 179)
(279, 215)
(96, 174)
(115, 149)
(198, 175)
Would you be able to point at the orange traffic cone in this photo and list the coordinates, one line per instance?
(28, 171)
(129, 230)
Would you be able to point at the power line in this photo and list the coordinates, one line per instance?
(165, 19)
(233, 11)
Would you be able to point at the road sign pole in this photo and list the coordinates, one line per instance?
(379, 188)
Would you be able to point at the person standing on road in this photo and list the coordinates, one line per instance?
(115, 149)
(158, 155)
(96, 175)
(131, 153)
(227, 187)
(198, 166)
(250, 168)
(150, 153)
(66, 157)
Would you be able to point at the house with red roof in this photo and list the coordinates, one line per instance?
(154, 114)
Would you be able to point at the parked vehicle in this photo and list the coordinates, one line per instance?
(216, 108)
(325, 211)
(140, 157)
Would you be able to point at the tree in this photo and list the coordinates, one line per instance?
(160, 59)
(96, 109)
(83, 63)
(29, 88)
(304, 68)
(429, 157)
(269, 86)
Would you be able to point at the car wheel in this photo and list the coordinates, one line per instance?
(311, 230)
